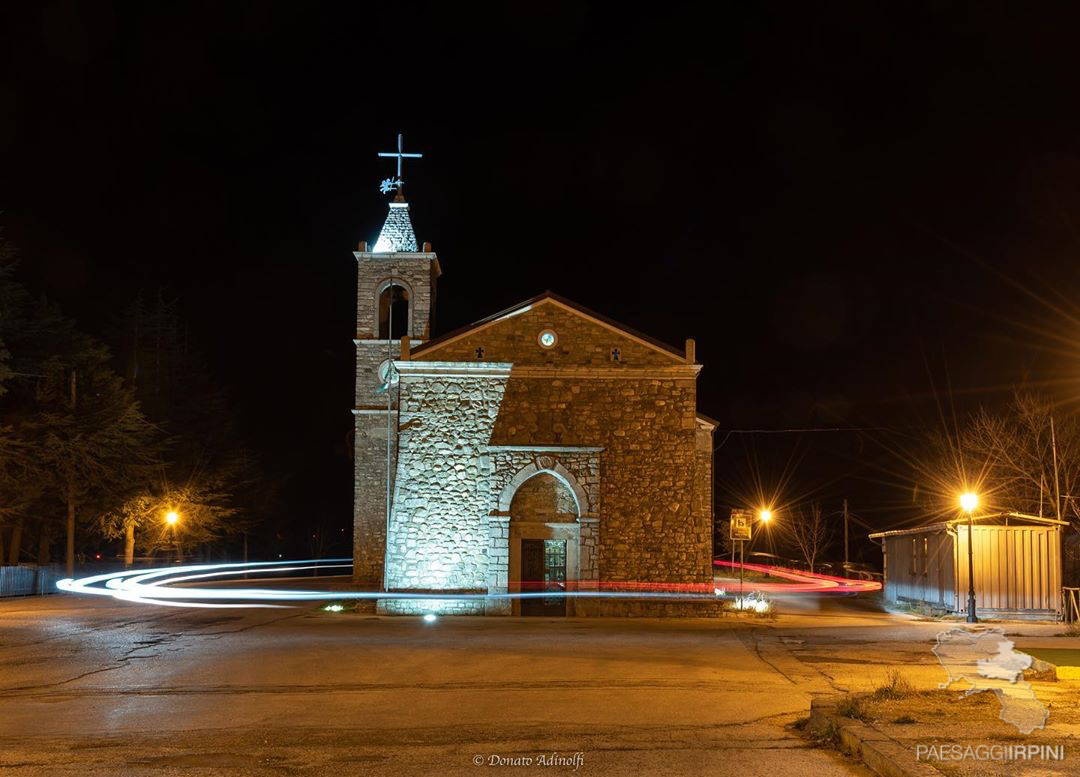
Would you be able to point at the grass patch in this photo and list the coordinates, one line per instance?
(920, 609)
(1056, 656)
(824, 736)
(896, 686)
(752, 605)
(851, 707)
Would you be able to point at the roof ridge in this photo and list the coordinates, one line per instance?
(565, 302)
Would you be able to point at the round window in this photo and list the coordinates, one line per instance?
(547, 338)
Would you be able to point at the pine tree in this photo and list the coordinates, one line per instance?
(204, 469)
(73, 435)
(92, 436)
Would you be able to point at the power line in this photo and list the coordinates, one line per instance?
(811, 430)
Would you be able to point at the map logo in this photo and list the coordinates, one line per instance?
(986, 661)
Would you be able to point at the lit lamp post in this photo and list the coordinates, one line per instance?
(764, 515)
(968, 502)
(172, 518)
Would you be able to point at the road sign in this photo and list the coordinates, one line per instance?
(740, 525)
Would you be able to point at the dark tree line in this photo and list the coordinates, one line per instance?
(95, 446)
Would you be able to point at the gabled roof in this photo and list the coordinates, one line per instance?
(551, 298)
(942, 525)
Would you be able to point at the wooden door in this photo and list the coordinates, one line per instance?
(543, 568)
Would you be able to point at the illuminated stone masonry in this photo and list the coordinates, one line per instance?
(577, 469)
(543, 444)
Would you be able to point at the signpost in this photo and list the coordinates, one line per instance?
(740, 531)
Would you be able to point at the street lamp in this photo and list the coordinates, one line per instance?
(764, 516)
(968, 502)
(172, 518)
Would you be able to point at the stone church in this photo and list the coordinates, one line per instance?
(543, 448)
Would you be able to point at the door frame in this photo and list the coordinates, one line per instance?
(541, 530)
(507, 467)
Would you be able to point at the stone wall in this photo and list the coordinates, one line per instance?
(449, 480)
(417, 272)
(369, 495)
(581, 342)
(543, 497)
(648, 528)
(439, 535)
(623, 435)
(512, 469)
(703, 479)
(433, 606)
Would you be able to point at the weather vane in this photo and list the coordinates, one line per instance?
(395, 182)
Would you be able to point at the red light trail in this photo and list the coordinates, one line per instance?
(801, 582)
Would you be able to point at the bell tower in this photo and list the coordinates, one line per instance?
(395, 297)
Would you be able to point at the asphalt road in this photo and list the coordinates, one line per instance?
(94, 686)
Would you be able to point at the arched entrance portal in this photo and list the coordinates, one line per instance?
(544, 542)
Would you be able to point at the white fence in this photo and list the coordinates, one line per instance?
(30, 580)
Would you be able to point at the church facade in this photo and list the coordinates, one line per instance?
(543, 448)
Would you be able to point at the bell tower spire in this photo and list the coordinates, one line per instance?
(395, 306)
(397, 234)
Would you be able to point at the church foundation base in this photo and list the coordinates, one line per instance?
(430, 607)
(580, 608)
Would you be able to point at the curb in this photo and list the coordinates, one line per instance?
(1043, 667)
(1056, 672)
(883, 755)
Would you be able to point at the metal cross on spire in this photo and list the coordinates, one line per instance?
(395, 183)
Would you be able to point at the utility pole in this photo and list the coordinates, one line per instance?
(1057, 485)
(70, 555)
(742, 566)
(845, 538)
(389, 410)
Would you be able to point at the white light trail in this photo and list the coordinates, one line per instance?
(172, 587)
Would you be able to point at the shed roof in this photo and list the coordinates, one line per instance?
(943, 525)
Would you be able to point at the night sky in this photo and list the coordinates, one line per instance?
(851, 206)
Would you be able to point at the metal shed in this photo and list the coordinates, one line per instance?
(1017, 561)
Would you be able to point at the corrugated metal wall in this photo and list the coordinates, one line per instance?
(1017, 569)
(30, 580)
(920, 567)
